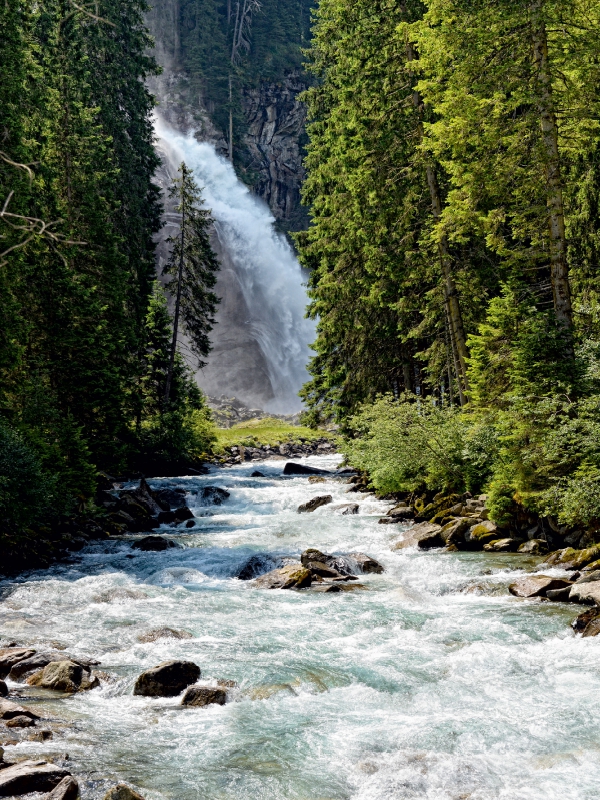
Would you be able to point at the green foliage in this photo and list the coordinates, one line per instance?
(269, 431)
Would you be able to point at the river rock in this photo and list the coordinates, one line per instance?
(315, 503)
(389, 520)
(171, 498)
(346, 509)
(480, 534)
(122, 792)
(501, 546)
(321, 569)
(453, 533)
(587, 593)
(291, 468)
(62, 676)
(533, 547)
(3, 689)
(38, 661)
(30, 776)
(9, 656)
(536, 585)
(166, 517)
(257, 565)
(67, 789)
(167, 679)
(428, 532)
(571, 559)
(163, 633)
(291, 576)
(257, 474)
(559, 595)
(153, 544)
(401, 512)
(203, 696)
(20, 722)
(366, 564)
(326, 588)
(213, 495)
(9, 710)
(184, 513)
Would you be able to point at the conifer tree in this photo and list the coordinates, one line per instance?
(192, 266)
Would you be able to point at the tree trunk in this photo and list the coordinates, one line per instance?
(177, 299)
(559, 273)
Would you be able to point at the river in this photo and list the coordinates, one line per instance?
(431, 682)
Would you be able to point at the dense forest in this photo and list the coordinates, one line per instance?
(454, 187)
(86, 342)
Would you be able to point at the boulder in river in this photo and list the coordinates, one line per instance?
(163, 633)
(170, 498)
(9, 656)
(167, 679)
(533, 547)
(3, 689)
(20, 722)
(291, 576)
(586, 593)
(326, 588)
(213, 495)
(257, 565)
(366, 564)
(291, 468)
(501, 546)
(153, 544)
(62, 676)
(425, 535)
(536, 585)
(257, 474)
(184, 513)
(30, 776)
(198, 696)
(316, 502)
(401, 512)
(67, 789)
(347, 509)
(480, 534)
(322, 570)
(9, 710)
(122, 792)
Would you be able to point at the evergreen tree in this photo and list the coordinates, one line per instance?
(192, 266)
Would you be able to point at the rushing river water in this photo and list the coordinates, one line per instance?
(432, 682)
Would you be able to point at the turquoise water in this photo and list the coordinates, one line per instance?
(432, 682)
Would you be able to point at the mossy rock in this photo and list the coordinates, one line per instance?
(439, 505)
(575, 559)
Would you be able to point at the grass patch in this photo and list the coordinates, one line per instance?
(270, 431)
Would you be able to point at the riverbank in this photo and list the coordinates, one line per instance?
(426, 679)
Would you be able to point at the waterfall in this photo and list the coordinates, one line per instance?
(262, 338)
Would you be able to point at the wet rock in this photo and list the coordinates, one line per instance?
(20, 721)
(568, 558)
(10, 656)
(30, 776)
(586, 593)
(315, 503)
(119, 594)
(559, 595)
(36, 662)
(166, 517)
(10, 710)
(321, 569)
(153, 544)
(312, 554)
(122, 792)
(213, 495)
(581, 622)
(453, 533)
(204, 696)
(592, 628)
(501, 546)
(67, 789)
(536, 585)
(3, 689)
(388, 520)
(589, 576)
(257, 565)
(316, 479)
(426, 531)
(401, 512)
(171, 498)
(347, 509)
(325, 588)
(480, 534)
(292, 468)
(184, 513)
(533, 547)
(366, 564)
(257, 474)
(167, 679)
(163, 633)
(61, 676)
(291, 576)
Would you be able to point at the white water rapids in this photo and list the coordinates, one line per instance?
(263, 266)
(433, 682)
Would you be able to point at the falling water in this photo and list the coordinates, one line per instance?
(262, 264)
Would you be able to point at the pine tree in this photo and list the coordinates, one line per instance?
(192, 266)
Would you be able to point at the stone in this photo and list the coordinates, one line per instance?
(427, 531)
(67, 789)
(10, 710)
(559, 595)
(389, 520)
(501, 546)
(316, 479)
(571, 559)
(184, 513)
(316, 502)
(292, 468)
(401, 512)
(453, 533)
(197, 696)
(166, 517)
(581, 622)
(592, 628)
(321, 569)
(291, 576)
(589, 576)
(536, 585)
(62, 676)
(347, 509)
(171, 498)
(10, 656)
(213, 495)
(3, 689)
(30, 776)
(366, 564)
(313, 555)
(257, 565)
(20, 722)
(163, 633)
(122, 792)
(257, 474)
(586, 593)
(153, 544)
(325, 588)
(38, 661)
(167, 679)
(533, 547)
(481, 534)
